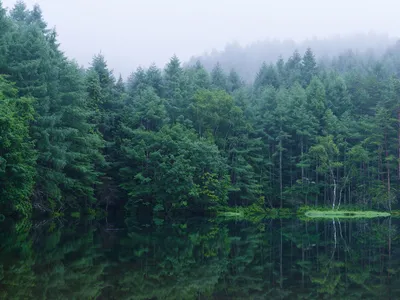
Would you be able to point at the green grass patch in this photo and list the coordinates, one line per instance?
(345, 214)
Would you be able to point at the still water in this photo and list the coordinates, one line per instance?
(200, 259)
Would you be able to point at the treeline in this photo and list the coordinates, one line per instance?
(185, 139)
(246, 60)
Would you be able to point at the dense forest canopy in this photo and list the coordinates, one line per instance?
(186, 139)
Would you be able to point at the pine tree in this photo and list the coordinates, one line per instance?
(5, 26)
(293, 69)
(19, 12)
(106, 100)
(35, 16)
(120, 87)
(316, 98)
(267, 75)
(308, 67)
(337, 95)
(17, 154)
(33, 63)
(218, 78)
(234, 81)
(84, 144)
(176, 87)
(154, 79)
(200, 78)
(137, 82)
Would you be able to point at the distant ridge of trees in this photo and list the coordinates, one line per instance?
(246, 60)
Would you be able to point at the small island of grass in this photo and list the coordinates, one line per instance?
(345, 214)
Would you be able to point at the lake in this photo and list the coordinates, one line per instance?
(200, 258)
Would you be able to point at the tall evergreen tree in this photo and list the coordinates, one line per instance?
(154, 79)
(17, 154)
(84, 143)
(234, 81)
(176, 87)
(218, 78)
(308, 67)
(267, 75)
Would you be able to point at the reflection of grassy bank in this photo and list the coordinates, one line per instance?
(231, 214)
(345, 214)
(255, 213)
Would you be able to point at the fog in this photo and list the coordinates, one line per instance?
(138, 32)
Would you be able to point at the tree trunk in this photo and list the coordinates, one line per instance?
(388, 173)
(281, 259)
(334, 189)
(398, 138)
(389, 246)
(302, 152)
(280, 171)
(316, 182)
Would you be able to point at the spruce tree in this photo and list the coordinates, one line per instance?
(308, 67)
(218, 78)
(176, 88)
(17, 154)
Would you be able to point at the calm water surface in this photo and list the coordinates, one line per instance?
(200, 259)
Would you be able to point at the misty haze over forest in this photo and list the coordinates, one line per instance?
(242, 34)
(246, 60)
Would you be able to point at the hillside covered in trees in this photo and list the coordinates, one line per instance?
(185, 139)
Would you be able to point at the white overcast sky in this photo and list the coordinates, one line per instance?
(139, 32)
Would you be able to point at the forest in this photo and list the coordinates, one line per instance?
(183, 139)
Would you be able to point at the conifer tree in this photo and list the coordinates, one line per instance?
(218, 78)
(17, 154)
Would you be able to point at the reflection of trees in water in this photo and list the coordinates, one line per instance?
(69, 265)
(354, 259)
(175, 261)
(273, 260)
(16, 261)
(60, 263)
(202, 259)
(320, 259)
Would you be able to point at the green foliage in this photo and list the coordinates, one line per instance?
(174, 168)
(17, 154)
(218, 78)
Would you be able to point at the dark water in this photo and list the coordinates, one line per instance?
(200, 259)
